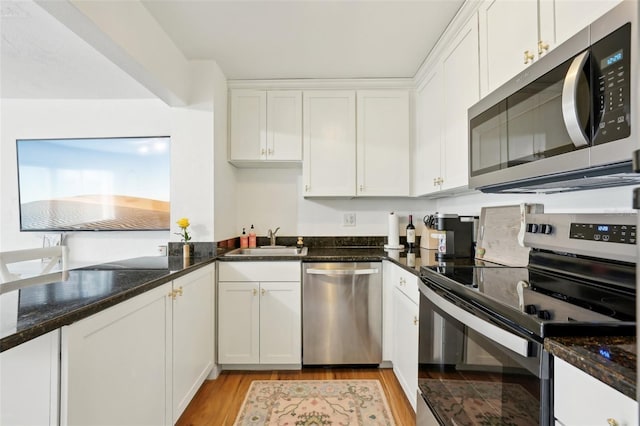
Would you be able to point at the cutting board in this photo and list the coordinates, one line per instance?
(500, 232)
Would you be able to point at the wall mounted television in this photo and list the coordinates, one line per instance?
(94, 184)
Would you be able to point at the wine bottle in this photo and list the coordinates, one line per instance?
(411, 232)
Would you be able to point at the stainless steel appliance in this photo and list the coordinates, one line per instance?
(567, 122)
(482, 324)
(457, 235)
(342, 313)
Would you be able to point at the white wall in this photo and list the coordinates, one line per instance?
(269, 198)
(191, 175)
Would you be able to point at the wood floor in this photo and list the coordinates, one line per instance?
(218, 401)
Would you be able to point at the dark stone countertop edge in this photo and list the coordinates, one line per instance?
(70, 317)
(581, 353)
(358, 254)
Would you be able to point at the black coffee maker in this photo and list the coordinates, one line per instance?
(458, 235)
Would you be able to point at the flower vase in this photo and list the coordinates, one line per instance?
(186, 251)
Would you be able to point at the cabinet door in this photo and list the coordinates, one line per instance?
(329, 149)
(460, 72)
(567, 20)
(383, 143)
(509, 28)
(581, 399)
(248, 139)
(426, 164)
(238, 323)
(29, 382)
(284, 125)
(405, 356)
(193, 335)
(114, 366)
(280, 323)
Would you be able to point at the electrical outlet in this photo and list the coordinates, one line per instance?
(349, 219)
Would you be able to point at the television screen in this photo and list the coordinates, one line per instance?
(94, 184)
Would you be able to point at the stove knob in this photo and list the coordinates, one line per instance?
(546, 229)
(532, 228)
(531, 309)
(545, 315)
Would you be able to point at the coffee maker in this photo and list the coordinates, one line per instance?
(457, 235)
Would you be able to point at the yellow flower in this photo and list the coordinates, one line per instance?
(183, 223)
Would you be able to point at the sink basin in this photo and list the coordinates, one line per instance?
(269, 251)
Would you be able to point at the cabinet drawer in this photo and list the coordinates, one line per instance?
(581, 399)
(408, 284)
(259, 271)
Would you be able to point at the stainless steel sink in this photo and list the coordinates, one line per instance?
(269, 251)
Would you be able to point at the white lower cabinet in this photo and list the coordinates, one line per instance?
(580, 399)
(401, 299)
(193, 335)
(259, 313)
(140, 362)
(29, 382)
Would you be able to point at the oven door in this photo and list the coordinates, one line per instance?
(472, 371)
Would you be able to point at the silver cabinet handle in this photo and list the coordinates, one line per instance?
(502, 337)
(364, 271)
(570, 111)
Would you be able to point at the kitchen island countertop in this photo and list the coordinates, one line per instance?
(82, 292)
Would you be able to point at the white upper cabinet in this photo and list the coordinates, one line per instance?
(383, 143)
(460, 82)
(514, 34)
(376, 163)
(329, 163)
(443, 97)
(426, 158)
(561, 16)
(266, 127)
(508, 40)
(284, 125)
(248, 125)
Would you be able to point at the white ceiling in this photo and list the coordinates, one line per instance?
(41, 58)
(265, 39)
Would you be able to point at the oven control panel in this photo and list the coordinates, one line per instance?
(602, 235)
(608, 233)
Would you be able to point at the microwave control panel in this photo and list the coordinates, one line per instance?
(611, 66)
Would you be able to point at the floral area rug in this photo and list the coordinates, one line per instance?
(315, 402)
(470, 403)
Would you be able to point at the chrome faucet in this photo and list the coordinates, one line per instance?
(272, 236)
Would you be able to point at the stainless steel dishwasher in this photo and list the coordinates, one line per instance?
(342, 313)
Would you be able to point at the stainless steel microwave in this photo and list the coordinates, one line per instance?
(569, 121)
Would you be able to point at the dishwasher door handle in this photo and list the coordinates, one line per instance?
(334, 272)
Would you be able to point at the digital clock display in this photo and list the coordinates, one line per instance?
(603, 228)
(611, 59)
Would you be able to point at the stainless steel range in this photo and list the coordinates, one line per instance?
(482, 324)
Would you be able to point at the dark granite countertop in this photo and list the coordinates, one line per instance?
(611, 360)
(83, 292)
(344, 254)
(86, 291)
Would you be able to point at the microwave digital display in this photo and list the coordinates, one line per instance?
(611, 59)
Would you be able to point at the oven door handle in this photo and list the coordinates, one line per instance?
(502, 337)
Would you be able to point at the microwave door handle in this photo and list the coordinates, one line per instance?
(570, 101)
